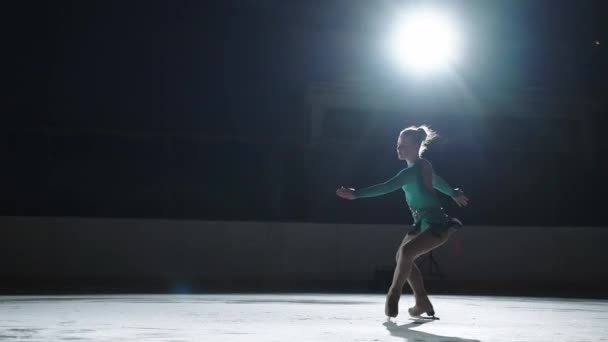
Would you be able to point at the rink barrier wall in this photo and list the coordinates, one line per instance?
(42, 254)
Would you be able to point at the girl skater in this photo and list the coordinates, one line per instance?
(432, 227)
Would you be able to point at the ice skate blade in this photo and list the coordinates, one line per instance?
(424, 318)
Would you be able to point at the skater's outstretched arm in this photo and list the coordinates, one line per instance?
(456, 194)
(443, 186)
(405, 176)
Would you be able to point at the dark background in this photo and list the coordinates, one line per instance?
(198, 110)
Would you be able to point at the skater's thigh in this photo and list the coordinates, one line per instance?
(407, 238)
(424, 242)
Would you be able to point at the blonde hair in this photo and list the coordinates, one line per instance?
(422, 135)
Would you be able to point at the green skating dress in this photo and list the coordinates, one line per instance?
(423, 202)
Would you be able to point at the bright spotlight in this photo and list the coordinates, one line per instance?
(424, 40)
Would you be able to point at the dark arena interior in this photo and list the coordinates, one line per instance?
(338, 170)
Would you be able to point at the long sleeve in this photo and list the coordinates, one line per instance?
(403, 177)
(443, 186)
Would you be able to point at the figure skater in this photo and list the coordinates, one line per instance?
(431, 228)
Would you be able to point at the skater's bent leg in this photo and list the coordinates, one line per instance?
(415, 278)
(406, 239)
(416, 282)
(392, 307)
(422, 244)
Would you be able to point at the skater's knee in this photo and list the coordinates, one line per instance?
(398, 253)
(405, 253)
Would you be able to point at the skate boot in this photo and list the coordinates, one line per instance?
(423, 305)
(391, 308)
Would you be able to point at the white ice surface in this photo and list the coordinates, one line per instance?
(296, 317)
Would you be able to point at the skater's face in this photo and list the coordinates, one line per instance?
(406, 147)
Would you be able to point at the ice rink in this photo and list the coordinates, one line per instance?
(296, 317)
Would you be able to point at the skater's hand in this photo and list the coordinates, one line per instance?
(461, 199)
(346, 193)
